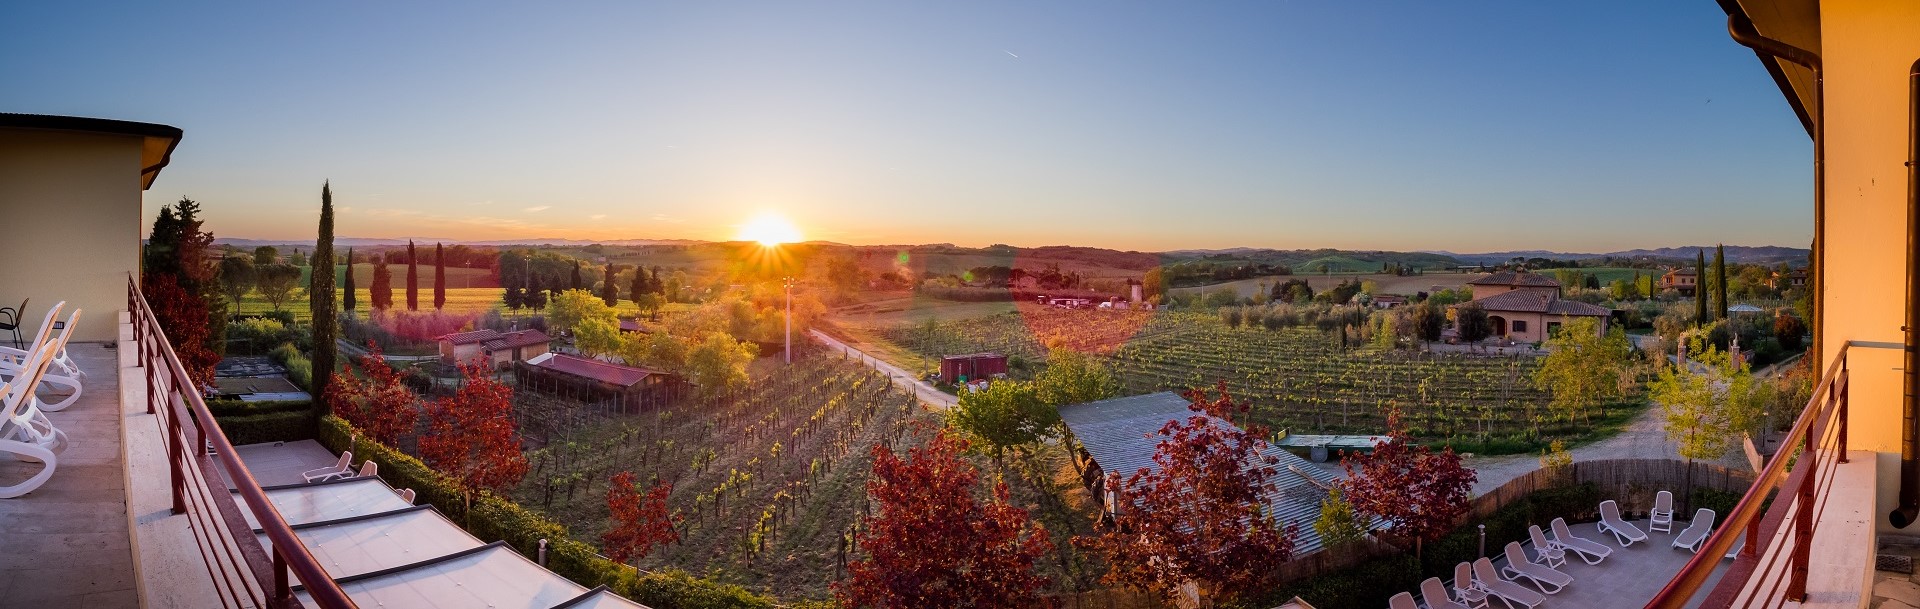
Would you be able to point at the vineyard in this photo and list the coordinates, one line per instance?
(768, 481)
(1297, 379)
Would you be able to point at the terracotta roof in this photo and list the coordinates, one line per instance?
(1536, 301)
(1517, 278)
(612, 374)
(523, 338)
(633, 325)
(476, 336)
(966, 356)
(1681, 271)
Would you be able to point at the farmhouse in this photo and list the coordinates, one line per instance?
(496, 349)
(590, 380)
(1120, 436)
(1682, 279)
(1527, 307)
(971, 366)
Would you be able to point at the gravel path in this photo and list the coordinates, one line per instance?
(926, 392)
(1642, 439)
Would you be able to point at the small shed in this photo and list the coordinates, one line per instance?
(627, 388)
(954, 368)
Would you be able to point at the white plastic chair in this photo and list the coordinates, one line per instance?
(343, 467)
(1435, 595)
(368, 469)
(25, 433)
(1623, 532)
(1402, 600)
(1545, 550)
(1660, 518)
(1589, 550)
(47, 377)
(1503, 589)
(1696, 532)
(1464, 590)
(1545, 578)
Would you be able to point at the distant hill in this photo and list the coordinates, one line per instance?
(1320, 260)
(363, 241)
(1744, 254)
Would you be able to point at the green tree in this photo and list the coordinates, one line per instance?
(320, 302)
(348, 301)
(1005, 415)
(1472, 323)
(1720, 281)
(597, 336)
(574, 306)
(439, 277)
(1072, 377)
(1154, 283)
(1582, 368)
(413, 278)
(381, 291)
(276, 282)
(1428, 321)
(718, 363)
(609, 291)
(1339, 525)
(265, 255)
(236, 277)
(1706, 402)
(1699, 287)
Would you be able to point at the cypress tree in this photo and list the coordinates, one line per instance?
(1720, 278)
(639, 284)
(439, 277)
(1699, 287)
(609, 293)
(576, 276)
(381, 292)
(347, 297)
(655, 283)
(321, 302)
(413, 279)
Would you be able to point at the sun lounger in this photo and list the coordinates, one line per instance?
(1545, 551)
(1611, 522)
(1465, 590)
(25, 432)
(1660, 519)
(1589, 550)
(1402, 600)
(1542, 576)
(339, 469)
(1697, 531)
(1436, 597)
(1499, 587)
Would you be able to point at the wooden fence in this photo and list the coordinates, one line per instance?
(1631, 482)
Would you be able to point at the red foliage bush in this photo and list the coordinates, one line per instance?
(421, 326)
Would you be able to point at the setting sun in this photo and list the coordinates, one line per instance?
(769, 229)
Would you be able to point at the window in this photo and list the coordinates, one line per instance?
(1519, 326)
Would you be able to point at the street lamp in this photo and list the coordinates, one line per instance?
(788, 283)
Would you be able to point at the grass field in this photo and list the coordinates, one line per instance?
(459, 300)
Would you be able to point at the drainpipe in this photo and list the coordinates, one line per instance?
(1908, 508)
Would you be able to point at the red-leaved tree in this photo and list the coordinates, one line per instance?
(640, 521)
(379, 404)
(1417, 492)
(1202, 516)
(471, 436)
(933, 545)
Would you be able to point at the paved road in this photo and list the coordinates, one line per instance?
(926, 392)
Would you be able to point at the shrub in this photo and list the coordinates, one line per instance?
(419, 327)
(270, 427)
(230, 408)
(256, 335)
(299, 371)
(493, 517)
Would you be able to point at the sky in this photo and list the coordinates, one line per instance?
(1459, 126)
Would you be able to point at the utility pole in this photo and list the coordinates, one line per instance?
(788, 282)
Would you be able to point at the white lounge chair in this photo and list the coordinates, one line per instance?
(1402, 600)
(368, 469)
(1660, 519)
(1697, 531)
(341, 468)
(48, 378)
(1739, 543)
(1611, 522)
(1589, 550)
(1464, 590)
(1543, 577)
(1436, 597)
(1545, 551)
(17, 356)
(25, 433)
(407, 495)
(1499, 587)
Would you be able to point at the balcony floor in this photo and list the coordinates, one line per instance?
(66, 543)
(1628, 578)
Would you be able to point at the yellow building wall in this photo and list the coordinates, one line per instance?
(70, 206)
(1867, 47)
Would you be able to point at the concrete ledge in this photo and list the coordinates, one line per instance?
(1844, 541)
(167, 560)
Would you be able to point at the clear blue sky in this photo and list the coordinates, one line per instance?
(1465, 126)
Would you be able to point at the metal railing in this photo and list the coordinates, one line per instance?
(240, 570)
(1766, 573)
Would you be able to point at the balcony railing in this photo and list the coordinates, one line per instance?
(1771, 569)
(240, 570)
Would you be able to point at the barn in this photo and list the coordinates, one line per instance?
(624, 388)
(971, 366)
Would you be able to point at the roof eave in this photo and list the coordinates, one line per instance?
(1796, 98)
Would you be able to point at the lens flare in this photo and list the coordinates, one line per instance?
(769, 229)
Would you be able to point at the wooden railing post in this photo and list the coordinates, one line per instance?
(1803, 519)
(281, 591)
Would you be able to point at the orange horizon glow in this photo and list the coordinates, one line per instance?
(769, 229)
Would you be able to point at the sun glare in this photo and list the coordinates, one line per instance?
(769, 229)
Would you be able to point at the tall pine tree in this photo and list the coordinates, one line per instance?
(1700, 288)
(1720, 279)
(320, 299)
(439, 277)
(576, 276)
(381, 292)
(609, 292)
(347, 299)
(639, 286)
(413, 278)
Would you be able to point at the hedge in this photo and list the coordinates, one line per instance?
(232, 407)
(493, 517)
(269, 427)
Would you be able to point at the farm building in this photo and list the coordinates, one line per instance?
(955, 368)
(1120, 436)
(594, 381)
(1682, 280)
(497, 349)
(1526, 307)
(633, 326)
